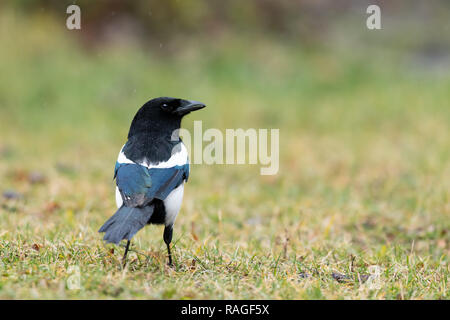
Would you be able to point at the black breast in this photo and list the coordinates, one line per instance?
(153, 148)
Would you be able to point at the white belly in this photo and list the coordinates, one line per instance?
(119, 200)
(172, 204)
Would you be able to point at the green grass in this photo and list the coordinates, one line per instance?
(364, 170)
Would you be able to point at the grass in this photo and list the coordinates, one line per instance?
(363, 182)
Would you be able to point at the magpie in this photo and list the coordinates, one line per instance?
(150, 172)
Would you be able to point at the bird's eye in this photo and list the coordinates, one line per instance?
(166, 107)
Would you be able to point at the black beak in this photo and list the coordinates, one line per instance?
(188, 106)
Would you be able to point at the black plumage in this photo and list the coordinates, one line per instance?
(151, 167)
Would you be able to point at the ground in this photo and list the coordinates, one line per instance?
(359, 209)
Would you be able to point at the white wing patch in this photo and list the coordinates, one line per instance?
(177, 159)
(122, 158)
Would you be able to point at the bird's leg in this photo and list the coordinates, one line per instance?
(124, 259)
(170, 255)
(167, 239)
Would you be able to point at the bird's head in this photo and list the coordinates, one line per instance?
(162, 115)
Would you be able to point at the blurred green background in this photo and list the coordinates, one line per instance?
(364, 119)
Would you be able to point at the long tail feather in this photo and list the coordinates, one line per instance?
(125, 223)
